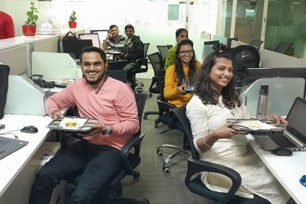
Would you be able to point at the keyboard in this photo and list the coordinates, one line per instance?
(281, 140)
(10, 145)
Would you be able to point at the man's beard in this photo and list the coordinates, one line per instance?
(96, 81)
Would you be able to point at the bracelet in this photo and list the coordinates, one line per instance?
(209, 146)
(108, 130)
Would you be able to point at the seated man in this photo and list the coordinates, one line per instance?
(133, 50)
(97, 155)
(113, 40)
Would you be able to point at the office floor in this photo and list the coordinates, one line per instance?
(153, 184)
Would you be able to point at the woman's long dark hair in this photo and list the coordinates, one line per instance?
(203, 84)
(178, 63)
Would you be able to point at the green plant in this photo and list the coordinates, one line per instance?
(32, 15)
(72, 17)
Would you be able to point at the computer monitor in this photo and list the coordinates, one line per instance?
(292, 72)
(91, 36)
(75, 46)
(101, 32)
(209, 47)
(252, 74)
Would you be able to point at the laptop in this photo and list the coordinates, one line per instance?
(294, 135)
(10, 145)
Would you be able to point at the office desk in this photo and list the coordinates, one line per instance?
(11, 165)
(287, 170)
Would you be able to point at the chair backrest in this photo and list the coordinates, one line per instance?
(117, 65)
(117, 74)
(283, 47)
(143, 62)
(256, 43)
(180, 114)
(163, 50)
(157, 63)
(91, 36)
(141, 99)
(145, 49)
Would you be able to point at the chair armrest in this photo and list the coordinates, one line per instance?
(165, 106)
(196, 166)
(134, 142)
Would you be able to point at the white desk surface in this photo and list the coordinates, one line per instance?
(11, 165)
(287, 169)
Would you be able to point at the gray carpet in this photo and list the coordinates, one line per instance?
(153, 184)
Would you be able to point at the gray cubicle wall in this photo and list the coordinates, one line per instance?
(16, 59)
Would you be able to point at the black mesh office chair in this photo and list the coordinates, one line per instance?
(163, 50)
(130, 160)
(143, 64)
(166, 116)
(196, 166)
(155, 88)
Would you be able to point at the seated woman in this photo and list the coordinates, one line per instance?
(214, 101)
(180, 34)
(181, 74)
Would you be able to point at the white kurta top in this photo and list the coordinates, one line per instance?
(235, 152)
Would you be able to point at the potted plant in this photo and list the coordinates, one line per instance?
(29, 27)
(72, 20)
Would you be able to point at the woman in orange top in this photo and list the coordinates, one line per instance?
(181, 74)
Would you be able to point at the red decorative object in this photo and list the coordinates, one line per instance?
(28, 30)
(72, 24)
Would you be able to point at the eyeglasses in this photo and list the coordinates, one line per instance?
(185, 52)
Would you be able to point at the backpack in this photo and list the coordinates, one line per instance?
(70, 36)
(4, 73)
(244, 56)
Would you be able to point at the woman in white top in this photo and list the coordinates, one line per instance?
(215, 100)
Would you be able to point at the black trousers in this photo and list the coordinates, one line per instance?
(98, 164)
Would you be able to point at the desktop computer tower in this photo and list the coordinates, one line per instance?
(19, 191)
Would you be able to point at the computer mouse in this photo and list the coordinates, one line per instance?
(282, 152)
(29, 129)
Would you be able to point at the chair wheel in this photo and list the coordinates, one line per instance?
(156, 123)
(166, 170)
(160, 153)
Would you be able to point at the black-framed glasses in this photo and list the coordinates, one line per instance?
(185, 52)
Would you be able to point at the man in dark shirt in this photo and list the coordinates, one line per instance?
(133, 50)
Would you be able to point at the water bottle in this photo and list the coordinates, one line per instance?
(262, 102)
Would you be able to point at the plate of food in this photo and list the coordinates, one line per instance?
(253, 125)
(73, 124)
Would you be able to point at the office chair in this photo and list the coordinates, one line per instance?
(117, 65)
(256, 43)
(130, 160)
(163, 50)
(143, 64)
(195, 166)
(283, 47)
(158, 68)
(117, 74)
(166, 116)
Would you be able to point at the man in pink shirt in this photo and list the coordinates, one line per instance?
(6, 26)
(97, 156)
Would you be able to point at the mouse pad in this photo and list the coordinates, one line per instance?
(73, 124)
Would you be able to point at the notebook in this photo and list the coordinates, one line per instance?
(10, 145)
(294, 135)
